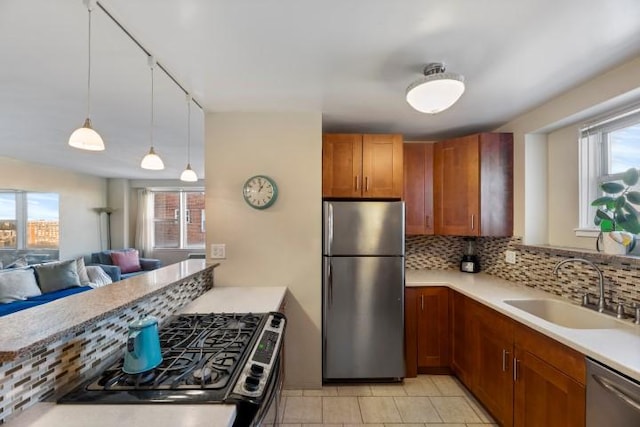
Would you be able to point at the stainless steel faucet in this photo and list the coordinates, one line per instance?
(601, 304)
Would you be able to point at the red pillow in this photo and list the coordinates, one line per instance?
(128, 261)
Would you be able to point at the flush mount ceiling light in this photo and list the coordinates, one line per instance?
(151, 161)
(436, 91)
(85, 138)
(188, 175)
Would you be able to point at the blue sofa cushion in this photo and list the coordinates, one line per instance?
(6, 309)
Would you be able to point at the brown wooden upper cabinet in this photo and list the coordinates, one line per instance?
(473, 185)
(418, 188)
(362, 166)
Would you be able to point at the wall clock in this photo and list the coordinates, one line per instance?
(260, 192)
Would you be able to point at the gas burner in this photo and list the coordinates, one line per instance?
(202, 375)
(141, 379)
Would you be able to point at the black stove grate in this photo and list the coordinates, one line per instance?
(200, 351)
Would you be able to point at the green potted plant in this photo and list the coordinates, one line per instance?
(617, 213)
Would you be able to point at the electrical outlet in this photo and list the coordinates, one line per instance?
(218, 251)
(510, 257)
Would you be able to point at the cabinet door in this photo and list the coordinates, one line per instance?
(382, 166)
(418, 188)
(544, 396)
(342, 165)
(462, 344)
(496, 181)
(493, 375)
(433, 327)
(411, 296)
(457, 187)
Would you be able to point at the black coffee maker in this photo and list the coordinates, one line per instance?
(469, 262)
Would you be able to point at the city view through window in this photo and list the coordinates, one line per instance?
(29, 220)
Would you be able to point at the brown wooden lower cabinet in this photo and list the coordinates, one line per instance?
(522, 377)
(427, 330)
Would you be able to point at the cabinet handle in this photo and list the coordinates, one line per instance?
(366, 183)
(422, 302)
(473, 222)
(426, 220)
(357, 183)
(515, 369)
(505, 354)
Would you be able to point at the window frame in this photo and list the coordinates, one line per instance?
(594, 162)
(180, 213)
(22, 221)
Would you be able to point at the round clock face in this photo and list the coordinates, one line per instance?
(260, 192)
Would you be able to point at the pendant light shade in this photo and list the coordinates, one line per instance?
(188, 174)
(85, 138)
(436, 91)
(151, 161)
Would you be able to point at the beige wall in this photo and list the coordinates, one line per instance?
(281, 245)
(618, 87)
(79, 195)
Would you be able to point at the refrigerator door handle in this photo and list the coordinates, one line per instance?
(330, 225)
(330, 283)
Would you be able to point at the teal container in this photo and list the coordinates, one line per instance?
(143, 346)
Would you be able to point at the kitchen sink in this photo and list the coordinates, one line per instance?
(564, 314)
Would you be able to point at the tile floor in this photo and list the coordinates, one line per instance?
(425, 401)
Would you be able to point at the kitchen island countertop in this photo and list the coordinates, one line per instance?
(218, 299)
(618, 348)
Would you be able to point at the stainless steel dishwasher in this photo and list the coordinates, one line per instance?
(613, 400)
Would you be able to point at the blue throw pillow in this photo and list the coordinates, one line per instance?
(56, 276)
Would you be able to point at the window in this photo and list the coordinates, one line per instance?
(178, 219)
(29, 220)
(608, 147)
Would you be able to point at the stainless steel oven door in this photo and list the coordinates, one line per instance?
(270, 412)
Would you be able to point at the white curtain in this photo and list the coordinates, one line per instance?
(144, 222)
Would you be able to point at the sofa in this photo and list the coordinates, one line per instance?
(121, 264)
(33, 285)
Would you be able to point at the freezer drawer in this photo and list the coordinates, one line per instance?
(363, 318)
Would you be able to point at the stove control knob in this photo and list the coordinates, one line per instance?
(256, 370)
(251, 383)
(275, 322)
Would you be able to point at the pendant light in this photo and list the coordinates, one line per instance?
(85, 138)
(188, 174)
(151, 161)
(436, 91)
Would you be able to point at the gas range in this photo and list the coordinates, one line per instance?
(207, 358)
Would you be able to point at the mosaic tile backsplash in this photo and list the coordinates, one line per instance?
(65, 363)
(534, 266)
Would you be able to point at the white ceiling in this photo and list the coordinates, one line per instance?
(350, 59)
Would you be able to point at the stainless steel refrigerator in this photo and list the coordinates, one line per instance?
(363, 290)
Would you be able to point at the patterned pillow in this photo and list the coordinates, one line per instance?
(97, 276)
(18, 285)
(128, 261)
(82, 271)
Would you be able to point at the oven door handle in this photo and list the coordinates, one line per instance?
(611, 387)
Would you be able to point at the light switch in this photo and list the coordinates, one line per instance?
(218, 251)
(510, 257)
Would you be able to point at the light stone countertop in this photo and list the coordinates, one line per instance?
(218, 300)
(43, 324)
(618, 348)
(238, 299)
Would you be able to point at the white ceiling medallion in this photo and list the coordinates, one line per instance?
(436, 91)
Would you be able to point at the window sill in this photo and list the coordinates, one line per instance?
(586, 232)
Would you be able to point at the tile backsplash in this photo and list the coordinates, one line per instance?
(534, 266)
